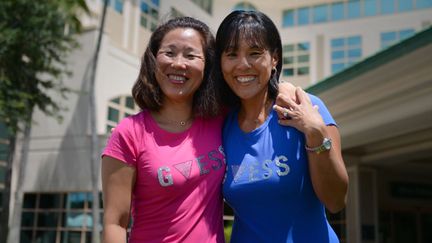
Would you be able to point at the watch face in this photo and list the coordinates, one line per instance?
(327, 144)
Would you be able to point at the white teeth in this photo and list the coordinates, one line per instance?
(177, 78)
(245, 79)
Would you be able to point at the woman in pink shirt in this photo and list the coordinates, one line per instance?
(165, 165)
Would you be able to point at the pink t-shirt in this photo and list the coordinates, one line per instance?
(177, 195)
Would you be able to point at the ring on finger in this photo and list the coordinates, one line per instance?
(285, 113)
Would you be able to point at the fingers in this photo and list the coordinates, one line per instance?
(283, 113)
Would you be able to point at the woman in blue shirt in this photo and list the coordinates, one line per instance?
(279, 179)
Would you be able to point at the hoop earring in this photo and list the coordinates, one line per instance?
(273, 72)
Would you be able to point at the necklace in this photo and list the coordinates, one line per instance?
(180, 123)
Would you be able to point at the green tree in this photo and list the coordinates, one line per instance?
(35, 39)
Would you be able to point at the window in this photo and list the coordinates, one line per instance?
(405, 5)
(117, 5)
(348, 9)
(149, 14)
(387, 6)
(206, 5)
(46, 217)
(345, 52)
(244, 6)
(337, 11)
(119, 108)
(288, 18)
(423, 3)
(370, 7)
(303, 16)
(354, 9)
(392, 37)
(296, 59)
(320, 13)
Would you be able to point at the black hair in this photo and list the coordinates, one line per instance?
(258, 30)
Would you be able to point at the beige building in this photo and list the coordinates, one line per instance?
(369, 60)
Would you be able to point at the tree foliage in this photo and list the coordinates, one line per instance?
(35, 39)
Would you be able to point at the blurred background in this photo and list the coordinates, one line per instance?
(67, 68)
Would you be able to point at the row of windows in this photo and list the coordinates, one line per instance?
(349, 10)
(47, 217)
(345, 52)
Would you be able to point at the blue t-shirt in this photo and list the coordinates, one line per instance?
(268, 184)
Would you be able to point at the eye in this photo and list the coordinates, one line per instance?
(230, 54)
(169, 53)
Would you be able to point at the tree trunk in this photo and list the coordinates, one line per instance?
(4, 218)
(95, 153)
(15, 228)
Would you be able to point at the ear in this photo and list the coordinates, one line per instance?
(275, 60)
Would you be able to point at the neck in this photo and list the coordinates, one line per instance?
(253, 113)
(174, 117)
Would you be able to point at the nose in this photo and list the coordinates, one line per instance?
(178, 62)
(243, 62)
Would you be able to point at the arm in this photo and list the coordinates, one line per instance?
(118, 180)
(327, 169)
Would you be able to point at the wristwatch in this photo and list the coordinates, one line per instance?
(325, 146)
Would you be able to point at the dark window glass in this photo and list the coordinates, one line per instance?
(2, 174)
(320, 13)
(288, 18)
(4, 151)
(338, 54)
(303, 46)
(116, 100)
(354, 41)
(303, 16)
(29, 200)
(288, 60)
(71, 237)
(74, 219)
(403, 34)
(370, 7)
(47, 219)
(337, 11)
(49, 200)
(405, 5)
(26, 236)
(288, 72)
(387, 6)
(76, 200)
(354, 53)
(144, 7)
(303, 71)
(423, 3)
(354, 9)
(27, 219)
(288, 48)
(303, 58)
(130, 102)
(337, 67)
(388, 36)
(339, 42)
(155, 2)
(113, 114)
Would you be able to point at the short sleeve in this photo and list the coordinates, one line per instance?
(322, 109)
(121, 144)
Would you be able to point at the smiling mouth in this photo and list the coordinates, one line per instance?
(245, 79)
(178, 79)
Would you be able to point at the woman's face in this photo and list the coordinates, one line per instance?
(181, 63)
(247, 69)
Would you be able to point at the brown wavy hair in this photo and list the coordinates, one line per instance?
(146, 90)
